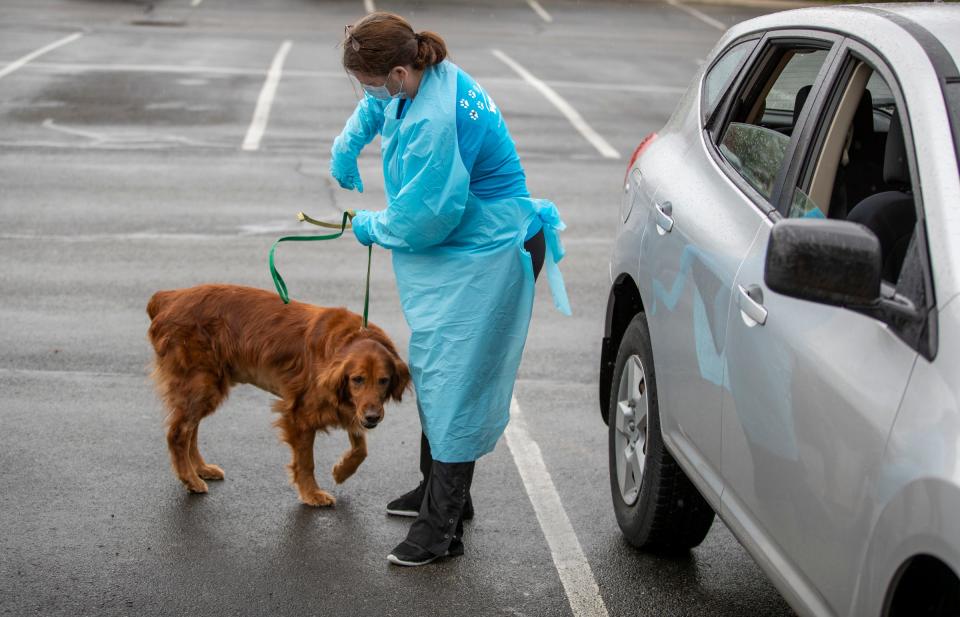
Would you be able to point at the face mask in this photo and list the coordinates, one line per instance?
(382, 92)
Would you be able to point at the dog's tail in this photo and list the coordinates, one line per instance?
(157, 302)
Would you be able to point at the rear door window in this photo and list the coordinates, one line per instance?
(720, 75)
(756, 138)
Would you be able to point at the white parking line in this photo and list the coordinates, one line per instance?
(16, 64)
(369, 6)
(79, 67)
(262, 113)
(710, 21)
(539, 10)
(601, 144)
(581, 588)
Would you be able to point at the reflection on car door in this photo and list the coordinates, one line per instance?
(692, 247)
(700, 229)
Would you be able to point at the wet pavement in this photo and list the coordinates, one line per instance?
(123, 173)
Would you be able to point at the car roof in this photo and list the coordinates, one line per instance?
(942, 20)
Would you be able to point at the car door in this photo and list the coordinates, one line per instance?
(705, 217)
(812, 390)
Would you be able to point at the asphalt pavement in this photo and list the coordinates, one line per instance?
(123, 171)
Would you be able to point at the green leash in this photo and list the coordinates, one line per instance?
(343, 226)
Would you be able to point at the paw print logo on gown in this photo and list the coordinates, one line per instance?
(473, 114)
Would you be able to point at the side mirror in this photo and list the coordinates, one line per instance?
(827, 261)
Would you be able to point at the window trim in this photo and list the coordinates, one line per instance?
(747, 81)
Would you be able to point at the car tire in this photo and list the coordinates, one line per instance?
(660, 510)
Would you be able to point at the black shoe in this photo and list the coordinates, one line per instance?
(409, 554)
(408, 504)
(456, 548)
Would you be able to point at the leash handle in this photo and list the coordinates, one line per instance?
(278, 281)
(304, 218)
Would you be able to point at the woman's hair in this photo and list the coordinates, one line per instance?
(378, 42)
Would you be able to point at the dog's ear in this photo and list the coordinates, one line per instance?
(333, 379)
(401, 379)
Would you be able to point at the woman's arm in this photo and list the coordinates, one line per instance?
(430, 204)
(364, 124)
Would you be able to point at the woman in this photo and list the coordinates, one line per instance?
(467, 244)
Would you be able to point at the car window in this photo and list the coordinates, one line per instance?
(756, 152)
(859, 171)
(756, 138)
(799, 72)
(720, 75)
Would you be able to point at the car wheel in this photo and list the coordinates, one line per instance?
(656, 505)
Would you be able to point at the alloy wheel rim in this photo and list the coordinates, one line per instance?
(630, 436)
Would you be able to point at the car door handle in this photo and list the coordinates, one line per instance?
(750, 301)
(664, 217)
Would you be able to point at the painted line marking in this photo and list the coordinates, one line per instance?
(710, 21)
(16, 64)
(262, 112)
(583, 593)
(79, 67)
(369, 6)
(601, 144)
(539, 10)
(643, 88)
(195, 2)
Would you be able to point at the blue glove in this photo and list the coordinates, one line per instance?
(344, 170)
(361, 227)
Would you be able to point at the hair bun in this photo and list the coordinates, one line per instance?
(431, 49)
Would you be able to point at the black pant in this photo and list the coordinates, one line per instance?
(447, 485)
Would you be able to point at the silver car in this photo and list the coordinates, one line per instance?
(782, 342)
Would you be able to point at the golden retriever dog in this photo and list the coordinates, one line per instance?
(325, 368)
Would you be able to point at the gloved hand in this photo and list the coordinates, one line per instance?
(361, 227)
(343, 168)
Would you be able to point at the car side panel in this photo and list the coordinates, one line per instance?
(918, 486)
(812, 395)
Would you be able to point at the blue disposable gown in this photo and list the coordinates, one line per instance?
(466, 284)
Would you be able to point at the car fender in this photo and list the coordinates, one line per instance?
(913, 522)
(918, 490)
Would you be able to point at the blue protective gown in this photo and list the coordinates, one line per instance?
(466, 284)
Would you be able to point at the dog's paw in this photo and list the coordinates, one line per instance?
(342, 471)
(318, 498)
(196, 486)
(210, 472)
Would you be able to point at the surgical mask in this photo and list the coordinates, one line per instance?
(383, 93)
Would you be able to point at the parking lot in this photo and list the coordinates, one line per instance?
(148, 146)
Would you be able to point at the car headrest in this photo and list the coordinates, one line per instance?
(895, 169)
(798, 102)
(863, 117)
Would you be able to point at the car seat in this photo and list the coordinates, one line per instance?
(890, 214)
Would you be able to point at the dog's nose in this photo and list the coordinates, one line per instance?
(371, 419)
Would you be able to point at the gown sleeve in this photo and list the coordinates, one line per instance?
(435, 186)
(362, 126)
